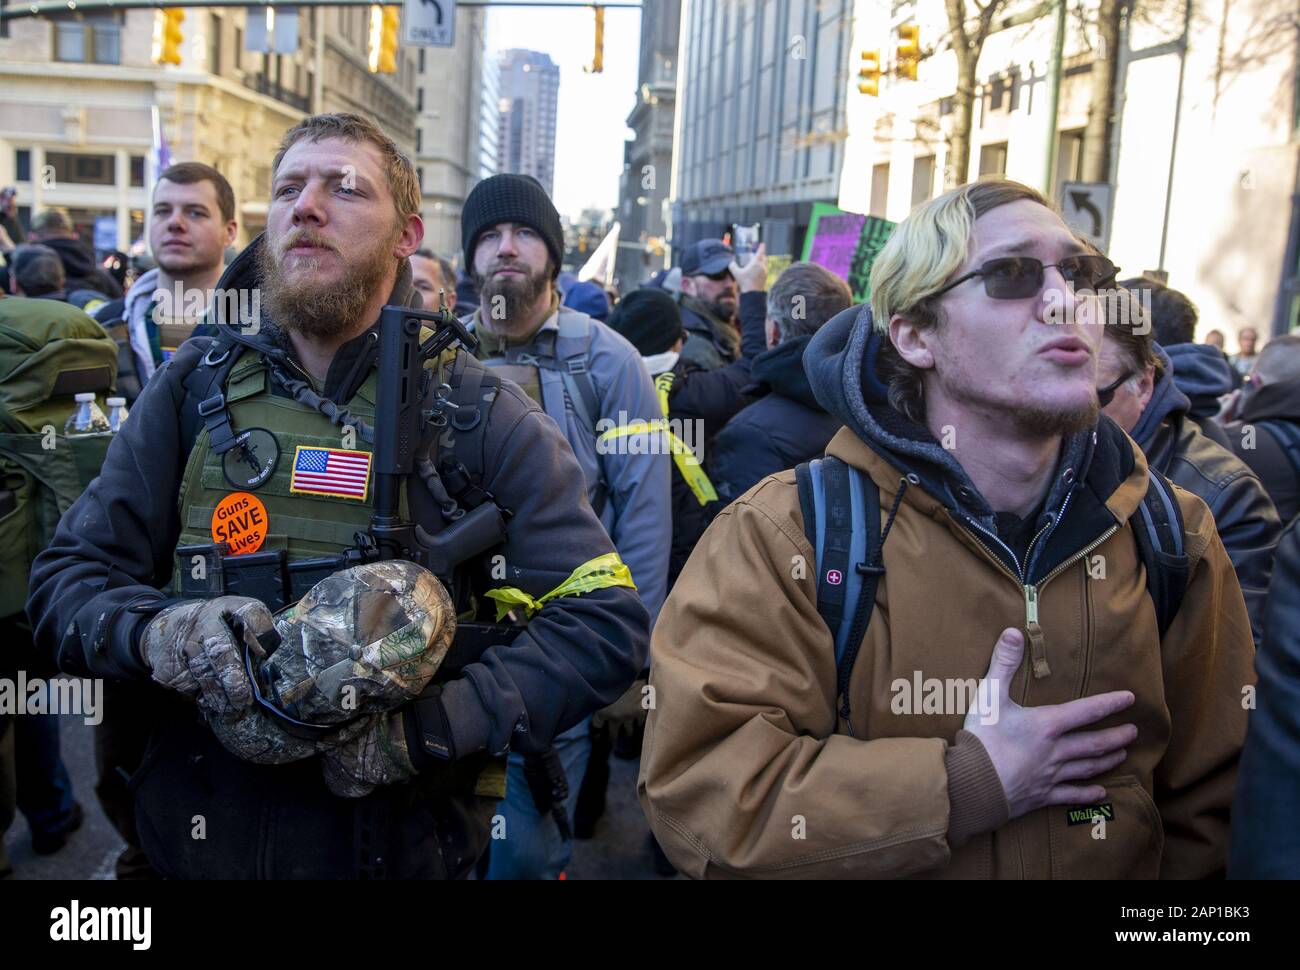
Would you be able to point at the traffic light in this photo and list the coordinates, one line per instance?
(167, 36)
(598, 58)
(909, 50)
(381, 45)
(870, 73)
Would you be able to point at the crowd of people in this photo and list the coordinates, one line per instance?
(940, 584)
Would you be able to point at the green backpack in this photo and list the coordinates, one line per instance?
(49, 351)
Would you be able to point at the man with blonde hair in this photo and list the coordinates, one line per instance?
(978, 639)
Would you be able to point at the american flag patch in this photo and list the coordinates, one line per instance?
(331, 471)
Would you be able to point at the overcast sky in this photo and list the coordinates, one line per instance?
(593, 108)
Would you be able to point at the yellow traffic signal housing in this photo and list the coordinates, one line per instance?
(388, 49)
(909, 50)
(167, 36)
(381, 44)
(597, 64)
(869, 75)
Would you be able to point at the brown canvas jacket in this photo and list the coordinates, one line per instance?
(748, 772)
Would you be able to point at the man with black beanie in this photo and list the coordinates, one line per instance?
(592, 383)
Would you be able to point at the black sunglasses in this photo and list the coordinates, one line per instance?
(1020, 277)
(1107, 394)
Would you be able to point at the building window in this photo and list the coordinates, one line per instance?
(993, 159)
(1069, 158)
(879, 189)
(239, 48)
(23, 165)
(419, 177)
(419, 141)
(214, 43)
(922, 179)
(82, 169)
(421, 60)
(137, 171)
(419, 94)
(88, 40)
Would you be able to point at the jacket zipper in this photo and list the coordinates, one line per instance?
(1037, 641)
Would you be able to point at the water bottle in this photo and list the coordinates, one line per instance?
(117, 413)
(87, 420)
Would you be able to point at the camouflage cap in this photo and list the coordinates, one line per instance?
(360, 643)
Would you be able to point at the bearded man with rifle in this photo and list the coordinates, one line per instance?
(340, 426)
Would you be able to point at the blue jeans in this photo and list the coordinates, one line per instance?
(532, 847)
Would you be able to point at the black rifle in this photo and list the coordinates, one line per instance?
(398, 431)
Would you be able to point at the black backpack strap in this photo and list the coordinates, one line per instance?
(1288, 436)
(835, 529)
(204, 405)
(841, 513)
(1159, 531)
(462, 468)
(112, 317)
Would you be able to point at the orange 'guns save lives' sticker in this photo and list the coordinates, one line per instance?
(239, 520)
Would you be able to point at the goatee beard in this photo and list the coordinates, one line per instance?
(1047, 423)
(321, 312)
(505, 302)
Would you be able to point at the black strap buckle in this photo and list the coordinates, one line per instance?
(212, 405)
(210, 361)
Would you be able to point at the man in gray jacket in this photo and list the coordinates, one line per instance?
(1137, 390)
(594, 385)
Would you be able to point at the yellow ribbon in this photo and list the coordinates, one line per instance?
(683, 455)
(599, 573)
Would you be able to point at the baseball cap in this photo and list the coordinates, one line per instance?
(706, 257)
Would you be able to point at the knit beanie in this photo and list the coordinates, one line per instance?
(649, 319)
(510, 198)
(590, 299)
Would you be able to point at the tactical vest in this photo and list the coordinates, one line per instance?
(302, 519)
(281, 821)
(553, 369)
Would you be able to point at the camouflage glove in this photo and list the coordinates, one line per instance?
(197, 648)
(376, 756)
(625, 715)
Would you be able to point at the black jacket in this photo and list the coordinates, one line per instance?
(710, 343)
(703, 401)
(80, 269)
(1265, 454)
(1265, 839)
(1247, 522)
(115, 547)
(782, 429)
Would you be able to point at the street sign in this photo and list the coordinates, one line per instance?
(1087, 209)
(429, 23)
(271, 30)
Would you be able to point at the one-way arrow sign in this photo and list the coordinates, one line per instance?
(1087, 209)
(429, 23)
